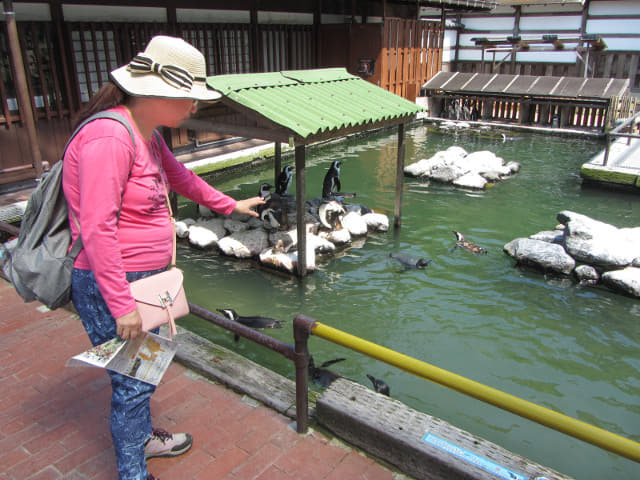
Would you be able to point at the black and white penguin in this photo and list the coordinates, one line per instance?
(271, 199)
(252, 321)
(265, 191)
(469, 246)
(379, 386)
(284, 180)
(272, 219)
(331, 183)
(256, 322)
(409, 262)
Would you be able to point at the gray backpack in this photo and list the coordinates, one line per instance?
(38, 262)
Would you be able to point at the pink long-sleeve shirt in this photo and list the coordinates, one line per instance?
(100, 175)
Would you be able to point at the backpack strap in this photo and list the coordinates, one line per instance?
(105, 114)
(77, 245)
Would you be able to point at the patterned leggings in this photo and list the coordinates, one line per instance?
(130, 412)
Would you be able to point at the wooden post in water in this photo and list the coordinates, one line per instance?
(399, 176)
(24, 100)
(301, 194)
(277, 163)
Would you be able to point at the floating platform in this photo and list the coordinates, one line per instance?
(622, 168)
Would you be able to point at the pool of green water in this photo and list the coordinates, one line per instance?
(573, 349)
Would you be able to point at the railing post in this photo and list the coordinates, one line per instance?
(301, 330)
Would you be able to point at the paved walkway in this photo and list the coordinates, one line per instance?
(54, 420)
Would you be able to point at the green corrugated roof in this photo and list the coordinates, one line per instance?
(311, 102)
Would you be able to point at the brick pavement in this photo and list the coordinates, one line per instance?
(54, 419)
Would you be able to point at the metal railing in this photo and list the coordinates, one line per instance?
(304, 326)
(610, 136)
(544, 416)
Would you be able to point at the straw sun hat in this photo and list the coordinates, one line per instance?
(168, 68)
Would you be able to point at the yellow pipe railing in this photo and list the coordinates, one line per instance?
(576, 428)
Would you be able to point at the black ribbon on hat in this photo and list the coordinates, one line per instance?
(175, 76)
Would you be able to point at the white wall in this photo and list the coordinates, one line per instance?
(537, 20)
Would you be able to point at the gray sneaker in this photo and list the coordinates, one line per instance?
(164, 444)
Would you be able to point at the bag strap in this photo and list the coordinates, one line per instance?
(166, 195)
(77, 245)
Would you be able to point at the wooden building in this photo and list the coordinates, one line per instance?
(67, 49)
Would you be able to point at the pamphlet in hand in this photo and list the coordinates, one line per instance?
(146, 357)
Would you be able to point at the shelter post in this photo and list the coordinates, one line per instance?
(277, 162)
(24, 100)
(399, 176)
(301, 195)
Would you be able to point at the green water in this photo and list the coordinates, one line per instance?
(569, 348)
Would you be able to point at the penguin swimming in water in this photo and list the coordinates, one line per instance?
(284, 180)
(409, 262)
(255, 322)
(331, 183)
(463, 243)
(322, 375)
(379, 386)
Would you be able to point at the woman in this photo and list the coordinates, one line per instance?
(116, 196)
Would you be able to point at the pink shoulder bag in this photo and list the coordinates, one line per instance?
(160, 298)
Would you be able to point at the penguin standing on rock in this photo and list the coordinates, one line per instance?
(284, 180)
(331, 182)
(271, 200)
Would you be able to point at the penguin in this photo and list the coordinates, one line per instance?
(322, 375)
(463, 243)
(409, 262)
(331, 183)
(271, 199)
(265, 191)
(379, 386)
(331, 214)
(284, 180)
(255, 322)
(272, 219)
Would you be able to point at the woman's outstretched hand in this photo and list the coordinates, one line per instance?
(245, 206)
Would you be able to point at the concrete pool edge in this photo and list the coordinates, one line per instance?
(413, 442)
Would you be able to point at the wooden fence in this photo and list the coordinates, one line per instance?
(411, 55)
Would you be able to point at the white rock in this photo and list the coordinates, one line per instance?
(377, 222)
(202, 237)
(355, 224)
(337, 237)
(456, 151)
(626, 280)
(216, 225)
(244, 244)
(471, 180)
(481, 161)
(319, 244)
